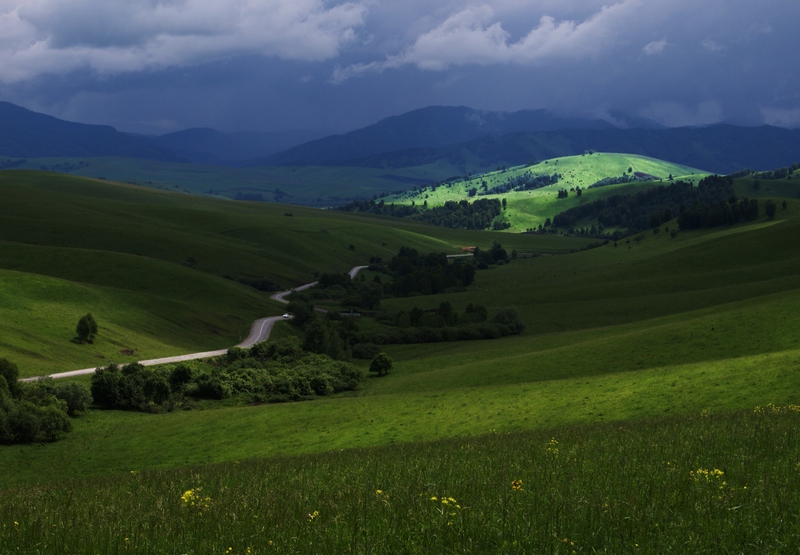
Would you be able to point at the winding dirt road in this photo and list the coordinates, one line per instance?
(259, 331)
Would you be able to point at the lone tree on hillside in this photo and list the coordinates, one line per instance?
(770, 208)
(86, 328)
(381, 364)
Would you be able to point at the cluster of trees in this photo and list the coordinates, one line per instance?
(635, 212)
(781, 173)
(719, 213)
(463, 214)
(37, 411)
(495, 255)
(349, 292)
(624, 178)
(524, 182)
(338, 335)
(506, 322)
(456, 215)
(416, 274)
(438, 318)
(266, 372)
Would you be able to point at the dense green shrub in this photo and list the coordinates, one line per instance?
(278, 371)
(381, 364)
(76, 396)
(33, 414)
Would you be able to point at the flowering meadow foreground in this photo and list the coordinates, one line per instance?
(711, 483)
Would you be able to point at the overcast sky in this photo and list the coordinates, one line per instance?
(155, 66)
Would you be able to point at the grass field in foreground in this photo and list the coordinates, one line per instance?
(708, 483)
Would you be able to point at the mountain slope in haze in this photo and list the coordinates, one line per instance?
(27, 134)
(431, 127)
(717, 148)
(209, 146)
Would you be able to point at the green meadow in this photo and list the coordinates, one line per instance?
(650, 405)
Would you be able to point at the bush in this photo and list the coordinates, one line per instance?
(10, 372)
(76, 396)
(381, 364)
(86, 328)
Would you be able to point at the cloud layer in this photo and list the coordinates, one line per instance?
(343, 63)
(123, 36)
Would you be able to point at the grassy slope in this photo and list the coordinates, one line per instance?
(528, 209)
(118, 252)
(305, 185)
(702, 321)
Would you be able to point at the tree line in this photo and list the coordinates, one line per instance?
(647, 209)
(267, 372)
(524, 182)
(463, 214)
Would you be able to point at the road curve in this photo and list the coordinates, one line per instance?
(259, 331)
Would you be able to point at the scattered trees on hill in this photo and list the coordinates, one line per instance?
(781, 173)
(711, 203)
(624, 178)
(524, 182)
(456, 215)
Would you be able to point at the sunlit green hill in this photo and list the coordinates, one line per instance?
(529, 208)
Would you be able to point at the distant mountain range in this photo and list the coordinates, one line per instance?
(26, 134)
(432, 127)
(466, 138)
(717, 148)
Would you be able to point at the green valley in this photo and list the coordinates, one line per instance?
(649, 405)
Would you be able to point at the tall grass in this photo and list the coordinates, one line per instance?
(711, 483)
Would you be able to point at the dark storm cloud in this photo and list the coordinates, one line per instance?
(159, 65)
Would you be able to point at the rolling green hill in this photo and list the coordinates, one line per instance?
(529, 208)
(302, 185)
(152, 266)
(607, 319)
